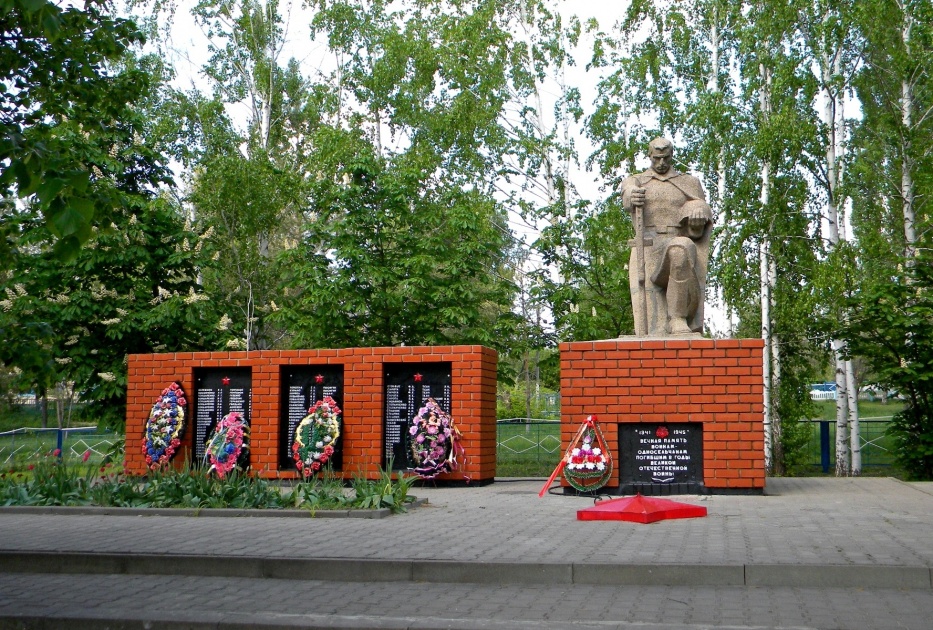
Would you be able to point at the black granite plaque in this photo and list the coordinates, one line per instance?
(407, 387)
(218, 391)
(660, 453)
(302, 386)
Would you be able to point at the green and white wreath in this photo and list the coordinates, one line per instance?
(316, 437)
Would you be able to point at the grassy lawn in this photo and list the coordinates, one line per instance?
(19, 448)
(20, 416)
(519, 455)
(866, 409)
(877, 448)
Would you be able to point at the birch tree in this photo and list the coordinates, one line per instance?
(245, 178)
(894, 90)
(831, 47)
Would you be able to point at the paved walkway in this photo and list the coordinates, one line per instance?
(816, 553)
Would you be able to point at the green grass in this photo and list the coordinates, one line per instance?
(30, 416)
(17, 450)
(519, 455)
(866, 409)
(877, 448)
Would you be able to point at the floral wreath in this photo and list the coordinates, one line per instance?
(435, 441)
(227, 443)
(588, 464)
(316, 436)
(165, 427)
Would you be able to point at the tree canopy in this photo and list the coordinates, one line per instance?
(366, 186)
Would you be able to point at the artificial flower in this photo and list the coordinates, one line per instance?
(316, 435)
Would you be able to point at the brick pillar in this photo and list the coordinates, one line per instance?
(715, 382)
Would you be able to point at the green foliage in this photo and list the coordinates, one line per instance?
(63, 105)
(47, 482)
(384, 492)
(511, 402)
(246, 183)
(527, 449)
(133, 289)
(590, 296)
(890, 326)
(50, 482)
(390, 259)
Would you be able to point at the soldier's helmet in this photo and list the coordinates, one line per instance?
(693, 205)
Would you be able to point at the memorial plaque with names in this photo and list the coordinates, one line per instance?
(302, 386)
(407, 387)
(661, 453)
(218, 391)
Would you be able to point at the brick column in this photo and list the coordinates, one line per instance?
(715, 382)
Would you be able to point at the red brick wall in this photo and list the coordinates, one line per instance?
(717, 382)
(473, 402)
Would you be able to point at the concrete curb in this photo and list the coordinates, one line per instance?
(93, 510)
(94, 620)
(506, 573)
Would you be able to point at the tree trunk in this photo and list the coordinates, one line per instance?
(907, 181)
(855, 438)
(766, 337)
(842, 415)
(777, 444)
(44, 407)
(846, 411)
(766, 288)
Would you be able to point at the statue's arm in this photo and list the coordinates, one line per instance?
(629, 185)
(698, 212)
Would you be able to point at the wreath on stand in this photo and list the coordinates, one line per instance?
(227, 443)
(587, 463)
(165, 427)
(316, 437)
(435, 441)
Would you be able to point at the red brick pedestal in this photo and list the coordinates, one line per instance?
(717, 383)
(472, 395)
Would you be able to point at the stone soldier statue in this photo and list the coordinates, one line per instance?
(667, 270)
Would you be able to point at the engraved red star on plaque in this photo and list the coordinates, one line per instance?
(418, 378)
(319, 379)
(225, 380)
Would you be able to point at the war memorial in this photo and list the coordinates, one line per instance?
(677, 413)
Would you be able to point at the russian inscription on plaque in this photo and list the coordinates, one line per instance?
(661, 454)
(217, 393)
(407, 387)
(302, 386)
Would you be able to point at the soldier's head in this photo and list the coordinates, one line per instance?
(661, 154)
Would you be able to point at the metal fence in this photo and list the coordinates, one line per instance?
(876, 447)
(527, 441)
(528, 437)
(20, 445)
(518, 440)
(524, 440)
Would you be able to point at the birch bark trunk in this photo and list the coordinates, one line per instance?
(907, 182)
(765, 291)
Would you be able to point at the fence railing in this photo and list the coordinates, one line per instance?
(877, 448)
(21, 445)
(519, 441)
(526, 443)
